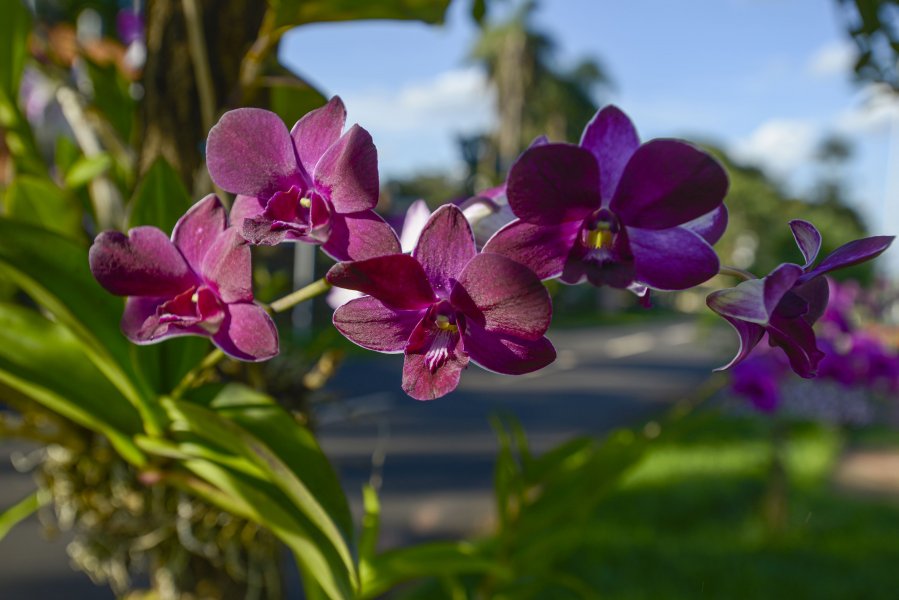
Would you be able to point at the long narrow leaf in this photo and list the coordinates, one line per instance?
(19, 511)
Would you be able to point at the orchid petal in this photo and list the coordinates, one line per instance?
(671, 259)
(317, 131)
(397, 280)
(755, 300)
(348, 172)
(750, 334)
(227, 267)
(503, 296)
(816, 292)
(367, 322)
(553, 183)
(797, 339)
(612, 139)
(143, 263)
(445, 246)
(711, 226)
(667, 183)
(542, 248)
(808, 238)
(249, 151)
(245, 207)
(360, 235)
(247, 333)
(198, 227)
(852, 253)
(420, 383)
(141, 324)
(416, 218)
(506, 354)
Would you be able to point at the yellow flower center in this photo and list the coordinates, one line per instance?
(305, 202)
(443, 323)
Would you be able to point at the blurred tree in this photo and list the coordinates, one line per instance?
(874, 27)
(534, 96)
(758, 238)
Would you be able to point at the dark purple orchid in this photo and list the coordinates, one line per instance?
(310, 184)
(199, 282)
(445, 305)
(615, 212)
(759, 379)
(788, 301)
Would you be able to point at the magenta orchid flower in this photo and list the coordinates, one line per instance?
(789, 300)
(199, 282)
(446, 305)
(616, 212)
(310, 184)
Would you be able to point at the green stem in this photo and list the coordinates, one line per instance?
(316, 288)
(735, 272)
(194, 374)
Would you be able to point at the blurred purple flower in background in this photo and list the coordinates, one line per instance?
(615, 212)
(310, 184)
(196, 283)
(446, 305)
(790, 299)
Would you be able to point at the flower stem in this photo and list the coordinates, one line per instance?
(316, 288)
(194, 374)
(735, 272)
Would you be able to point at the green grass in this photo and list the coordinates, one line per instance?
(688, 522)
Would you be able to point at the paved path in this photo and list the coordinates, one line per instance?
(437, 457)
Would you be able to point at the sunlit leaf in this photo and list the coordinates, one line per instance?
(14, 28)
(438, 559)
(298, 12)
(40, 202)
(84, 169)
(44, 361)
(19, 511)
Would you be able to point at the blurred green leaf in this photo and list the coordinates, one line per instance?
(298, 12)
(263, 503)
(165, 364)
(438, 559)
(40, 202)
(44, 361)
(84, 169)
(66, 153)
(238, 420)
(371, 520)
(14, 28)
(19, 511)
(112, 97)
(291, 97)
(160, 198)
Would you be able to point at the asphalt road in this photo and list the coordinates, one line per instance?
(433, 461)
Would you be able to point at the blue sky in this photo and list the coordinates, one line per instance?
(766, 79)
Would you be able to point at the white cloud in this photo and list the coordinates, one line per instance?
(416, 125)
(872, 116)
(459, 99)
(779, 145)
(834, 58)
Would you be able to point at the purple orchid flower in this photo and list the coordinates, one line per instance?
(758, 379)
(788, 301)
(310, 184)
(446, 305)
(199, 282)
(615, 212)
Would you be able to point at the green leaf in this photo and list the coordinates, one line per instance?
(14, 28)
(160, 198)
(112, 97)
(84, 169)
(371, 521)
(44, 361)
(40, 202)
(298, 12)
(291, 97)
(20, 511)
(165, 364)
(439, 559)
(239, 422)
(54, 271)
(263, 503)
